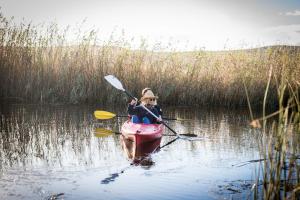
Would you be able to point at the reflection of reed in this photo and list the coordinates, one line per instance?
(222, 130)
(42, 136)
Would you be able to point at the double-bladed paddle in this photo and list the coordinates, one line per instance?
(101, 114)
(118, 85)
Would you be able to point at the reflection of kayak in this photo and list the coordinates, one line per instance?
(141, 133)
(140, 153)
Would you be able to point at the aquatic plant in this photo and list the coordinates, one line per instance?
(38, 64)
(280, 142)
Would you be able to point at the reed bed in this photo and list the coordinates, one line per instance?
(39, 66)
(279, 176)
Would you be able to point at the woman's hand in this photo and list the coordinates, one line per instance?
(133, 102)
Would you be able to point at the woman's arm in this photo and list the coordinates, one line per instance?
(134, 108)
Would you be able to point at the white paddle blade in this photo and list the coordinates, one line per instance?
(114, 82)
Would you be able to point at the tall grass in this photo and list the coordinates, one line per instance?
(43, 67)
(280, 143)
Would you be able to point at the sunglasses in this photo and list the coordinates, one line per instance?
(151, 99)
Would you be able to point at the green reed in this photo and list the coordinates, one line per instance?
(280, 142)
(38, 64)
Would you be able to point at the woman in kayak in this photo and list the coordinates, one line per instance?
(139, 114)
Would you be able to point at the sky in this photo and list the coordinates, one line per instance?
(184, 24)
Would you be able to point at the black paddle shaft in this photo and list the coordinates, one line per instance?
(169, 127)
(129, 94)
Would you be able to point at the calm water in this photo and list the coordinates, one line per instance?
(47, 150)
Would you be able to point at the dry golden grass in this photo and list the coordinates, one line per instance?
(41, 67)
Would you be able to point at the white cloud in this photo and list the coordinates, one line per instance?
(286, 34)
(292, 13)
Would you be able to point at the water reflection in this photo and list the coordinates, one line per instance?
(140, 153)
(53, 149)
(61, 137)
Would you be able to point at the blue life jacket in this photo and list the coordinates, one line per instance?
(140, 112)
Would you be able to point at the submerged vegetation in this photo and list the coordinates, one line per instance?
(39, 65)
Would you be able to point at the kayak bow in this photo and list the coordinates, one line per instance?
(142, 133)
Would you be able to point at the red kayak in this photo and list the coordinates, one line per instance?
(141, 133)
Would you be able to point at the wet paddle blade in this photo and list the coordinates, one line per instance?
(99, 114)
(114, 82)
(101, 132)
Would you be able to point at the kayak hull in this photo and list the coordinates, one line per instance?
(141, 133)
